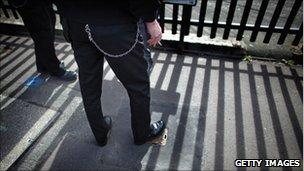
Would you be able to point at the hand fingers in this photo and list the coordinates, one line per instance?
(154, 41)
(150, 42)
(159, 36)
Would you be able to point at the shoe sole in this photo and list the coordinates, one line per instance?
(161, 139)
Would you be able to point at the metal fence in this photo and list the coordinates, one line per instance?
(181, 19)
(187, 20)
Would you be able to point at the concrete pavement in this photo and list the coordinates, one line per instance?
(256, 49)
(218, 110)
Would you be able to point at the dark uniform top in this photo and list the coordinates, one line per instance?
(109, 12)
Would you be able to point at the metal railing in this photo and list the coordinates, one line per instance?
(181, 16)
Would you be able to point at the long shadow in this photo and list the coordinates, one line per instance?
(18, 89)
(262, 152)
(239, 126)
(297, 79)
(4, 40)
(180, 132)
(291, 110)
(10, 37)
(26, 94)
(13, 49)
(274, 115)
(22, 62)
(16, 46)
(155, 151)
(77, 152)
(124, 154)
(70, 156)
(48, 91)
(15, 57)
(57, 138)
(17, 123)
(165, 114)
(9, 84)
(201, 126)
(16, 119)
(59, 92)
(48, 103)
(219, 143)
(83, 156)
(163, 71)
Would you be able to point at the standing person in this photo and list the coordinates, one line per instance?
(39, 19)
(108, 29)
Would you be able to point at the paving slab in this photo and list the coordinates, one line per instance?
(21, 124)
(217, 110)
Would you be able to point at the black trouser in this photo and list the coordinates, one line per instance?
(39, 19)
(130, 69)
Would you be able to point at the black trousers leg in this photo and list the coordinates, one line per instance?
(130, 69)
(90, 65)
(39, 19)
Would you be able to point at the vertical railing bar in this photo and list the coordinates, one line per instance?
(259, 20)
(229, 19)
(182, 32)
(162, 17)
(216, 17)
(174, 18)
(295, 8)
(298, 37)
(202, 17)
(186, 22)
(186, 16)
(274, 20)
(244, 19)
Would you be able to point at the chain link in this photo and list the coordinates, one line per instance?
(88, 31)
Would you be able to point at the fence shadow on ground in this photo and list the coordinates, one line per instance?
(217, 110)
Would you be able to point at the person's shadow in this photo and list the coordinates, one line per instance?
(75, 153)
(72, 153)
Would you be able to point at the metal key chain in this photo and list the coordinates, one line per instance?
(88, 31)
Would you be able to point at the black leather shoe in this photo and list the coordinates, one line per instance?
(68, 76)
(42, 70)
(107, 125)
(156, 130)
